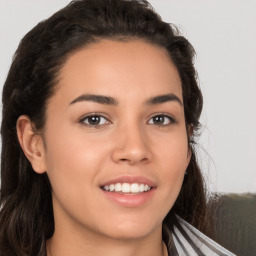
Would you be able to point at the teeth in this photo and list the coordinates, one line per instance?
(118, 187)
(135, 188)
(127, 188)
(141, 187)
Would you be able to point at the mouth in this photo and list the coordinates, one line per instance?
(127, 188)
(129, 191)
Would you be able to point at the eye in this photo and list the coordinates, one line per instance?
(161, 120)
(94, 120)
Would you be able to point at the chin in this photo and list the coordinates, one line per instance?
(133, 229)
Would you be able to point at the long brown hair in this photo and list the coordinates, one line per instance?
(26, 214)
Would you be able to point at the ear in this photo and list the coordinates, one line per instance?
(190, 132)
(31, 144)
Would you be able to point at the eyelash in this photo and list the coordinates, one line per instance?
(85, 120)
(94, 115)
(170, 119)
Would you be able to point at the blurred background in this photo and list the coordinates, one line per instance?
(223, 33)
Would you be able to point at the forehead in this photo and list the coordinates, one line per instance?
(120, 69)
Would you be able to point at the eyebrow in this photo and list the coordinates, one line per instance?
(164, 98)
(107, 100)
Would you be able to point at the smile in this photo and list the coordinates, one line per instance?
(129, 191)
(127, 188)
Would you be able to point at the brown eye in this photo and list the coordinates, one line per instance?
(94, 120)
(161, 120)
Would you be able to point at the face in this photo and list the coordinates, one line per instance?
(115, 140)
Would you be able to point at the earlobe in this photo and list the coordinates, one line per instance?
(31, 144)
(190, 132)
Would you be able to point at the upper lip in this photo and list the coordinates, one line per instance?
(130, 179)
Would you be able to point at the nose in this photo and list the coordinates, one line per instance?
(132, 146)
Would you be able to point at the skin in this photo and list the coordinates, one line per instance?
(79, 157)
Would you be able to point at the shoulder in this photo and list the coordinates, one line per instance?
(190, 241)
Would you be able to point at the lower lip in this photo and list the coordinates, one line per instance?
(130, 200)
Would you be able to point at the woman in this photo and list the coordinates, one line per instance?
(100, 110)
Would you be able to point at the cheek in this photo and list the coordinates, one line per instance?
(72, 163)
(73, 167)
(172, 152)
(172, 160)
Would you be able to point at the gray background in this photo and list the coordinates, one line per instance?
(223, 33)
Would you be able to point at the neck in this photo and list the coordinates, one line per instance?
(73, 245)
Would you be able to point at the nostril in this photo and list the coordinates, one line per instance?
(132, 160)
(130, 154)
